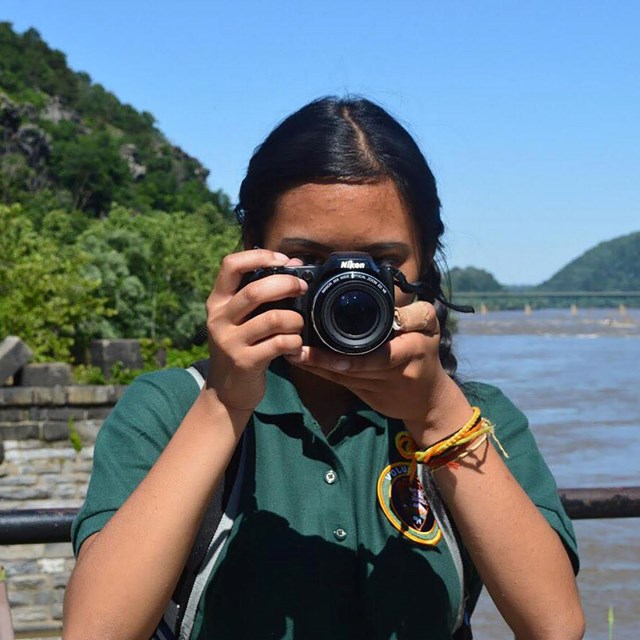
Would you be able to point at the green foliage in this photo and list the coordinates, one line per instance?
(155, 355)
(473, 279)
(27, 63)
(45, 292)
(120, 374)
(610, 266)
(93, 171)
(186, 357)
(117, 234)
(610, 621)
(74, 436)
(98, 150)
(88, 374)
(65, 279)
(156, 270)
(108, 230)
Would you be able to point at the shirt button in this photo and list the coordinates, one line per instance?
(330, 477)
(340, 534)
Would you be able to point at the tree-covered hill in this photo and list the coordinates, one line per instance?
(107, 230)
(610, 266)
(67, 141)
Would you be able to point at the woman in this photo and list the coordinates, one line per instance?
(345, 528)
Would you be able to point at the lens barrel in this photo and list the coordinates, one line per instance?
(352, 313)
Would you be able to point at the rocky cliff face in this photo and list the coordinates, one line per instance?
(67, 142)
(24, 140)
(19, 133)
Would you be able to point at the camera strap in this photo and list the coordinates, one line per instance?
(424, 289)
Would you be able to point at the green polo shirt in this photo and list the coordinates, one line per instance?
(313, 552)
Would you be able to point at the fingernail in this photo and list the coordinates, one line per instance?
(304, 285)
(280, 256)
(298, 356)
(340, 365)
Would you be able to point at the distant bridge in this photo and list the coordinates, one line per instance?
(539, 298)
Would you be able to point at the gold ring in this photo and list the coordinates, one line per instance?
(397, 320)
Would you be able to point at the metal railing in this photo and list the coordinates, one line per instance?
(35, 526)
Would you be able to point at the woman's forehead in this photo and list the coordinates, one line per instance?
(340, 213)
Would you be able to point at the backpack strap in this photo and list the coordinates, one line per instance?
(461, 627)
(200, 370)
(216, 524)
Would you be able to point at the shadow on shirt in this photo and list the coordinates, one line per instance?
(276, 583)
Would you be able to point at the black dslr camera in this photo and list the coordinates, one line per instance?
(349, 304)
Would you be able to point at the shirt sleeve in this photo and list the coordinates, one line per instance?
(525, 460)
(130, 441)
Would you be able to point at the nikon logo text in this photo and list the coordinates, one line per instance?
(350, 264)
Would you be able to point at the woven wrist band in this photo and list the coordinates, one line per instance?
(451, 449)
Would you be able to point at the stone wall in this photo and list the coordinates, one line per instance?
(41, 468)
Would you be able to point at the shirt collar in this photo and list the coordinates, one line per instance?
(281, 398)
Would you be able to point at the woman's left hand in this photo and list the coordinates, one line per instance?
(403, 379)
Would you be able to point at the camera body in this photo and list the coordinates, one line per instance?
(349, 305)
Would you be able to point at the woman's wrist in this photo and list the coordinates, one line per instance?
(215, 411)
(448, 409)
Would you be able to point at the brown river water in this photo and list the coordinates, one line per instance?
(577, 377)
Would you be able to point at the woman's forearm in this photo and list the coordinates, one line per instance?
(520, 558)
(126, 573)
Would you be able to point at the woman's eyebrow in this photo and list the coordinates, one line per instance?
(303, 243)
(375, 248)
(384, 247)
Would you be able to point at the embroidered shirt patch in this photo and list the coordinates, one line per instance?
(405, 504)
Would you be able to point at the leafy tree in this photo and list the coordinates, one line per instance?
(473, 279)
(91, 168)
(157, 269)
(15, 176)
(45, 298)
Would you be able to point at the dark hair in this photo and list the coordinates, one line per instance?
(347, 140)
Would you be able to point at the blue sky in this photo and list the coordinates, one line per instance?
(527, 112)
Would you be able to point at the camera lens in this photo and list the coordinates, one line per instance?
(355, 313)
(352, 313)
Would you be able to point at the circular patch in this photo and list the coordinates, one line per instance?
(405, 504)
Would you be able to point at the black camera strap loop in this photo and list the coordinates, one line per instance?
(424, 289)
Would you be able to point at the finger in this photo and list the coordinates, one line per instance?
(271, 323)
(279, 345)
(359, 385)
(374, 365)
(355, 376)
(418, 316)
(235, 265)
(268, 289)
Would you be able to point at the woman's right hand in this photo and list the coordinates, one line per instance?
(241, 346)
